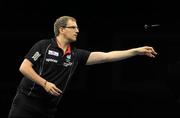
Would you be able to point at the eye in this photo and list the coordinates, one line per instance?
(72, 27)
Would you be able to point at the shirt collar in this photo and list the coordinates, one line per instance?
(68, 50)
(54, 44)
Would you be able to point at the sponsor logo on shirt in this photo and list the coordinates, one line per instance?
(67, 61)
(36, 56)
(54, 53)
(66, 64)
(51, 60)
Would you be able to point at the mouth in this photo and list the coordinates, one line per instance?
(75, 35)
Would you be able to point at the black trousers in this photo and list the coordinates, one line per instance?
(24, 106)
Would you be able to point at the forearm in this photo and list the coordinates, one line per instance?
(103, 57)
(30, 73)
(120, 55)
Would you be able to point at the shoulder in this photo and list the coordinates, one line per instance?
(42, 43)
(82, 52)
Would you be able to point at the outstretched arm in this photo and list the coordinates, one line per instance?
(103, 57)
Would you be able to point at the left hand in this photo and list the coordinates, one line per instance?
(146, 50)
(52, 89)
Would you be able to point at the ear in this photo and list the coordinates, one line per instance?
(61, 30)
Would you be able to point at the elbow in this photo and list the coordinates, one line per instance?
(108, 57)
(21, 68)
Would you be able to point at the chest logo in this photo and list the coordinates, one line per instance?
(68, 58)
(54, 53)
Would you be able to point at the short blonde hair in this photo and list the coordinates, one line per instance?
(61, 22)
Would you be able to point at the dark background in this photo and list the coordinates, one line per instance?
(135, 87)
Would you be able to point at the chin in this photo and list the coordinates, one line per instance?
(72, 40)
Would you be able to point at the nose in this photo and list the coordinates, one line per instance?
(77, 30)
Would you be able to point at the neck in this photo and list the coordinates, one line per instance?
(62, 42)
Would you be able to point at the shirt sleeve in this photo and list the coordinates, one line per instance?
(35, 52)
(83, 56)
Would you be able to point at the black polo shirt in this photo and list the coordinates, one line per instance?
(53, 65)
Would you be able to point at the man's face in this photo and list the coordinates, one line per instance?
(71, 31)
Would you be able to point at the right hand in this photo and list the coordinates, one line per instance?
(146, 50)
(52, 89)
